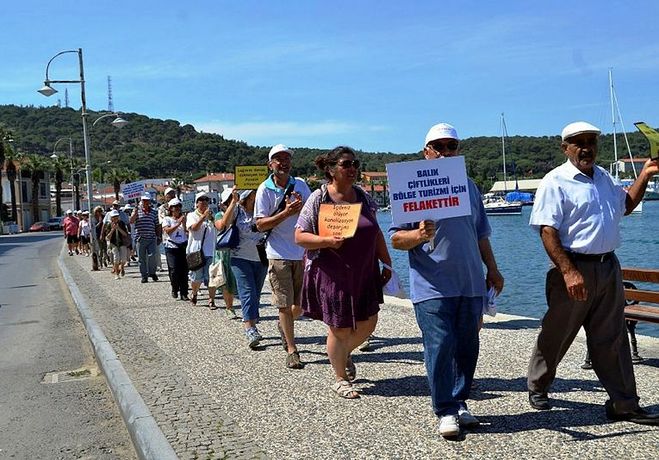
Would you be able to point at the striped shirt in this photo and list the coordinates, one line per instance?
(145, 225)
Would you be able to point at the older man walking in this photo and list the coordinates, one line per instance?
(577, 211)
(145, 220)
(279, 200)
(448, 289)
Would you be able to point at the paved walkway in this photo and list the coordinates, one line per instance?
(214, 398)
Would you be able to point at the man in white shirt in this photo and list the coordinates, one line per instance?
(577, 210)
(279, 200)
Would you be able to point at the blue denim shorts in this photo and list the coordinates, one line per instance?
(202, 274)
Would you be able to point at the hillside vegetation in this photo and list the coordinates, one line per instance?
(165, 148)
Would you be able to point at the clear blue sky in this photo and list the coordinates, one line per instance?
(371, 74)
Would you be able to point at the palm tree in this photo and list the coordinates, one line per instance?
(10, 169)
(58, 165)
(2, 165)
(35, 166)
(116, 176)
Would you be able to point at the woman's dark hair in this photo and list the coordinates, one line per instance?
(328, 160)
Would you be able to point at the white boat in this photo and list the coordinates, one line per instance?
(615, 109)
(497, 205)
(652, 191)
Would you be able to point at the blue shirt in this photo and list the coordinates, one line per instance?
(455, 267)
(585, 211)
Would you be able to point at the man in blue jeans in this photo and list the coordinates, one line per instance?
(145, 220)
(448, 289)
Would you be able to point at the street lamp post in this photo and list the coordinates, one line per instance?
(74, 184)
(48, 90)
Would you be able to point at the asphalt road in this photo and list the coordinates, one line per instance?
(53, 403)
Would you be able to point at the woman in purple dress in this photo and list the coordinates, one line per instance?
(342, 278)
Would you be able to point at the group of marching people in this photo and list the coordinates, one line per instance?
(452, 266)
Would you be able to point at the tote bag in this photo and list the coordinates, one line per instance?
(196, 259)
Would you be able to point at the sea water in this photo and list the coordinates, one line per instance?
(523, 261)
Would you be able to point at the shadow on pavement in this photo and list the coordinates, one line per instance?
(514, 324)
(563, 421)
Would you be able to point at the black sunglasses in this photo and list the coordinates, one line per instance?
(345, 164)
(441, 146)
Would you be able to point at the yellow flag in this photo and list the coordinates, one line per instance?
(652, 136)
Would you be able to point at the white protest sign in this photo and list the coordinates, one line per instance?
(428, 190)
(132, 190)
(213, 201)
(187, 201)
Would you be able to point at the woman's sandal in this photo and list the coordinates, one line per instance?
(193, 299)
(351, 370)
(344, 389)
(211, 304)
(231, 313)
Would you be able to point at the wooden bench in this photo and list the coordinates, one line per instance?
(636, 311)
(641, 304)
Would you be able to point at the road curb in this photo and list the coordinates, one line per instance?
(148, 440)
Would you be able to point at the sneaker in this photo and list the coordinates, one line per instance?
(154, 277)
(145, 280)
(467, 420)
(448, 426)
(258, 334)
(252, 338)
(293, 361)
(116, 277)
(123, 272)
(174, 294)
(70, 253)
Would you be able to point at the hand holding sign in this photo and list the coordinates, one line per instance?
(427, 230)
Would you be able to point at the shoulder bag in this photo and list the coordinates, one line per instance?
(260, 246)
(196, 259)
(230, 236)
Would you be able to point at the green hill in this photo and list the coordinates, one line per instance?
(164, 148)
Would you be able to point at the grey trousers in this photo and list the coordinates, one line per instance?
(602, 317)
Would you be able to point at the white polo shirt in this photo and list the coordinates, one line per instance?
(281, 242)
(586, 212)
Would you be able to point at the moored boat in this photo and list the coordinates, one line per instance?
(497, 206)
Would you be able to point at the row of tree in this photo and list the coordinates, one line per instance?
(165, 148)
(61, 170)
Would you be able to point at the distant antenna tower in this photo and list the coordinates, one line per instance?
(66, 97)
(59, 102)
(110, 103)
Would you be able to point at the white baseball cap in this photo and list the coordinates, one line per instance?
(174, 202)
(279, 148)
(200, 195)
(146, 197)
(169, 190)
(225, 195)
(579, 127)
(441, 131)
(68, 211)
(114, 213)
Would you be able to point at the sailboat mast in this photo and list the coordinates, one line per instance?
(503, 149)
(613, 119)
